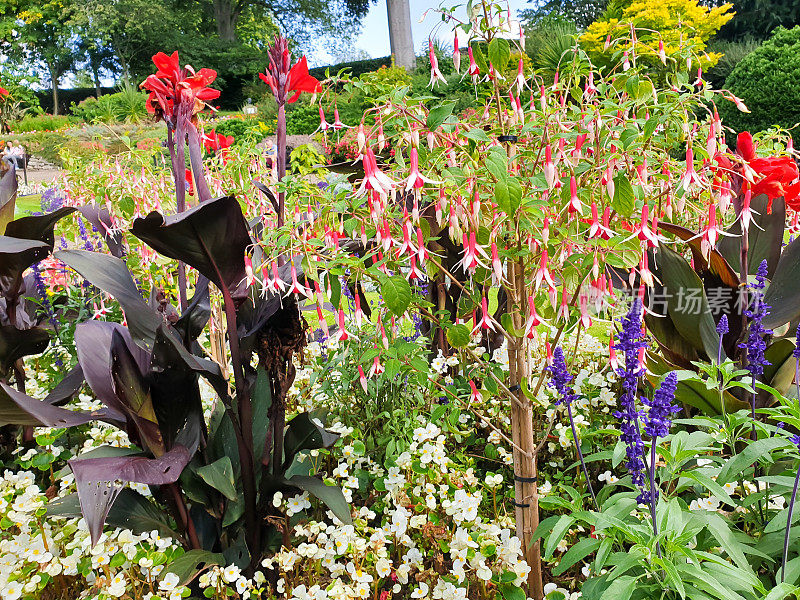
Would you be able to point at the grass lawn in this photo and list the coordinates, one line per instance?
(28, 204)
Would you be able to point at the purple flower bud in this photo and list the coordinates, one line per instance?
(722, 326)
(560, 379)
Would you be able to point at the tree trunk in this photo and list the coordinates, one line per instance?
(226, 16)
(54, 83)
(400, 38)
(526, 496)
(96, 77)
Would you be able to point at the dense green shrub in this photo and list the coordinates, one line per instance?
(126, 106)
(732, 54)
(356, 67)
(302, 118)
(548, 41)
(43, 123)
(766, 80)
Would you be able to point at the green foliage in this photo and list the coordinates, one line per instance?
(356, 68)
(242, 129)
(304, 158)
(302, 118)
(43, 123)
(766, 80)
(548, 43)
(732, 54)
(126, 106)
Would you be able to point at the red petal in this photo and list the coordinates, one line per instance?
(744, 146)
(300, 80)
(168, 66)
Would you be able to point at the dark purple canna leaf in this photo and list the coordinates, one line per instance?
(30, 411)
(93, 344)
(133, 392)
(97, 480)
(67, 387)
(100, 219)
(783, 293)
(112, 276)
(193, 320)
(16, 255)
(16, 343)
(8, 197)
(38, 227)
(211, 237)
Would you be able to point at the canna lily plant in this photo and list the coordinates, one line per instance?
(213, 482)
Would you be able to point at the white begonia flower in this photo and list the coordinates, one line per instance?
(169, 582)
(421, 591)
(231, 573)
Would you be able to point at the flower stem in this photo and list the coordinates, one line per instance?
(580, 456)
(653, 494)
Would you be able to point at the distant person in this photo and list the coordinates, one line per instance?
(272, 153)
(17, 154)
(7, 156)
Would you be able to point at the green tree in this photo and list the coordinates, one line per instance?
(45, 38)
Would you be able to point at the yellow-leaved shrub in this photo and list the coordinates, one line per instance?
(683, 26)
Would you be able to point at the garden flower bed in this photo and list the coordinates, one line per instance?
(546, 347)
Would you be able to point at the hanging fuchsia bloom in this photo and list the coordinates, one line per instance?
(589, 88)
(436, 74)
(475, 395)
(747, 214)
(626, 63)
(691, 180)
(543, 273)
(533, 320)
(485, 322)
(274, 283)
(341, 335)
(644, 271)
(473, 70)
(374, 178)
(297, 287)
(362, 379)
(586, 319)
(597, 229)
(520, 79)
(575, 205)
(361, 137)
(497, 266)
(472, 254)
(323, 124)
(456, 52)
(662, 55)
(612, 354)
(422, 251)
(248, 269)
(359, 314)
(549, 167)
(415, 179)
(711, 233)
(644, 231)
(376, 368)
(337, 122)
(407, 247)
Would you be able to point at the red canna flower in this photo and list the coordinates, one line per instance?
(216, 142)
(774, 176)
(4, 92)
(172, 84)
(283, 80)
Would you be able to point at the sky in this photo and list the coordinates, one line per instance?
(374, 38)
